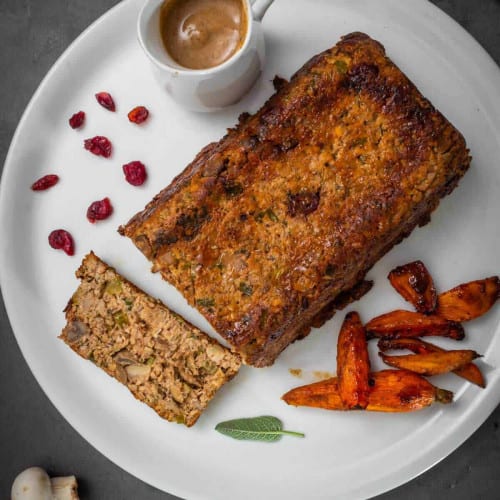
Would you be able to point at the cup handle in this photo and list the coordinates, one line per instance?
(259, 8)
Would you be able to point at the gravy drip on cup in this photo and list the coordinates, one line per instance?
(200, 34)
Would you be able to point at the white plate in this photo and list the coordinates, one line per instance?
(344, 455)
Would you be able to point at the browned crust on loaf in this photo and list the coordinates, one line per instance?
(297, 202)
(341, 301)
(162, 359)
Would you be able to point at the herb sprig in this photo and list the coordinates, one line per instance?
(264, 428)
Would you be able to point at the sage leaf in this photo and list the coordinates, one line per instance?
(264, 428)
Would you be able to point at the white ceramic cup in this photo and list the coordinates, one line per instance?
(212, 88)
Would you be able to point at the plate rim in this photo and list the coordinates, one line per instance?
(482, 406)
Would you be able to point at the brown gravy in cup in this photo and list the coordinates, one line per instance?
(200, 34)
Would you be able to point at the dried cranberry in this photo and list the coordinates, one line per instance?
(278, 82)
(76, 121)
(303, 202)
(106, 101)
(99, 210)
(98, 145)
(62, 240)
(135, 173)
(45, 182)
(138, 115)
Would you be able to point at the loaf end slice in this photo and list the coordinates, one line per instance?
(163, 360)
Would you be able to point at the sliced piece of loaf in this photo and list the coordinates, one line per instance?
(165, 361)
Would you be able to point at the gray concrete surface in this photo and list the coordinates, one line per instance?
(32, 36)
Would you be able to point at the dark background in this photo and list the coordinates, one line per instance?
(33, 34)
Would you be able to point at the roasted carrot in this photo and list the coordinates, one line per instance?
(403, 391)
(469, 371)
(353, 364)
(390, 391)
(431, 363)
(324, 394)
(472, 373)
(414, 283)
(413, 344)
(402, 323)
(469, 300)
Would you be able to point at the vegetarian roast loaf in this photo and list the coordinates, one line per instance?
(265, 228)
(164, 361)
